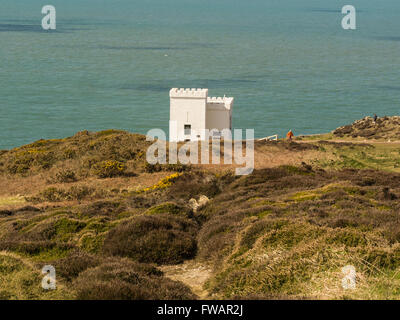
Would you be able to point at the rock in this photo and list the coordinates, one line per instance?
(195, 205)
(387, 128)
(203, 200)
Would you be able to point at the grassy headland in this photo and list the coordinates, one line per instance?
(117, 228)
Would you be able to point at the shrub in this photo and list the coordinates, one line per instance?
(178, 167)
(78, 192)
(103, 208)
(51, 194)
(69, 153)
(54, 194)
(127, 280)
(193, 184)
(65, 176)
(163, 183)
(151, 168)
(109, 169)
(75, 263)
(161, 239)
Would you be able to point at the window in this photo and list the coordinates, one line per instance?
(188, 129)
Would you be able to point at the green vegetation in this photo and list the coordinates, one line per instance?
(105, 154)
(109, 169)
(330, 220)
(360, 156)
(21, 280)
(161, 239)
(282, 232)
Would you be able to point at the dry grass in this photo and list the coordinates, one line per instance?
(288, 232)
(311, 207)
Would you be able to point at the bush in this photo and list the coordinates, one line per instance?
(193, 184)
(65, 176)
(151, 168)
(161, 239)
(71, 266)
(178, 167)
(53, 194)
(127, 280)
(79, 193)
(109, 169)
(103, 208)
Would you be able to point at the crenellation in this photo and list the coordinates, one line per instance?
(188, 93)
(220, 103)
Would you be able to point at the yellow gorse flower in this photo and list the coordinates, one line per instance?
(164, 183)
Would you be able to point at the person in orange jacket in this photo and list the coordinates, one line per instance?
(289, 135)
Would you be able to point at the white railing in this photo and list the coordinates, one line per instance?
(270, 138)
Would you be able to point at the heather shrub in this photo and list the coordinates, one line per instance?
(107, 208)
(161, 239)
(127, 280)
(193, 184)
(76, 262)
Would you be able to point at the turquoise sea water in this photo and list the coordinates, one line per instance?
(110, 64)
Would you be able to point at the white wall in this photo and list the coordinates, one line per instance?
(194, 107)
(217, 117)
(188, 108)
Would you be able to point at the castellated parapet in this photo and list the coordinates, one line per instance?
(220, 103)
(188, 93)
(192, 111)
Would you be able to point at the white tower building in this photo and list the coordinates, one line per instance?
(192, 111)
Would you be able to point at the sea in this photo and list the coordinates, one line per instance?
(289, 64)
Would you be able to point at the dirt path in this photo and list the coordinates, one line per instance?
(192, 274)
(351, 141)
